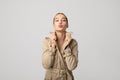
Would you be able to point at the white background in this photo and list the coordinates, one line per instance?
(25, 23)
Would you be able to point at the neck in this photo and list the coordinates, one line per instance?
(60, 35)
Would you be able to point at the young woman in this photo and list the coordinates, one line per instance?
(60, 51)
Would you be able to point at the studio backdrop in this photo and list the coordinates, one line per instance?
(25, 23)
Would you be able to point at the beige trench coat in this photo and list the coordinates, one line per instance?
(60, 63)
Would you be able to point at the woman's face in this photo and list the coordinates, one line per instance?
(60, 23)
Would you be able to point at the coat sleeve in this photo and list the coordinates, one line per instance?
(71, 56)
(47, 54)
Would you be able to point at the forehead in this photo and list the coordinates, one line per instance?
(60, 16)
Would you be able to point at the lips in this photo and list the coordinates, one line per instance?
(60, 26)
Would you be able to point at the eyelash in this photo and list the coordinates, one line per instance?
(58, 20)
(64, 20)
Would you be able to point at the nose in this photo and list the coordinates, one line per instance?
(60, 21)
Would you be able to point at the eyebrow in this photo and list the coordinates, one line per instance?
(62, 18)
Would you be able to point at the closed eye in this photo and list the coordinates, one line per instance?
(56, 20)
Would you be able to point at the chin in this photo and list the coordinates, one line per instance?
(60, 30)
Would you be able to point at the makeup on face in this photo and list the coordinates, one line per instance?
(60, 22)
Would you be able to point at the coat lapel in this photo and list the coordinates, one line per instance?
(65, 44)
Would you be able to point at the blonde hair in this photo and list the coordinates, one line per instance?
(61, 14)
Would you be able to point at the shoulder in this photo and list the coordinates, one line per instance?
(46, 40)
(73, 42)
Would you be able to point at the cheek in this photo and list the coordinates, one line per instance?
(66, 25)
(55, 25)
